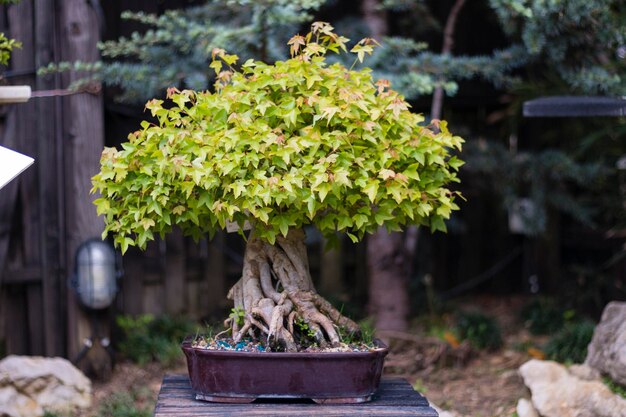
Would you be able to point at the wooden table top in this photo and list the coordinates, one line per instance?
(395, 397)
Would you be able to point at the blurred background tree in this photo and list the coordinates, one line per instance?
(486, 58)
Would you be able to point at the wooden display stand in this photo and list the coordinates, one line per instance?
(395, 397)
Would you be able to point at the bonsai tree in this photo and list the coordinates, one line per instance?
(275, 148)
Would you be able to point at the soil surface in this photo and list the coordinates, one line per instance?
(467, 381)
(249, 345)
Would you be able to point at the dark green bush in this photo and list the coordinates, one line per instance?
(148, 338)
(482, 331)
(542, 316)
(569, 345)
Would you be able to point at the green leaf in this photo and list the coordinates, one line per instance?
(360, 220)
(437, 223)
(311, 207)
(344, 222)
(298, 142)
(124, 243)
(371, 190)
(412, 172)
(283, 224)
(455, 163)
(323, 190)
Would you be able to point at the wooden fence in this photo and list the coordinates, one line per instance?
(47, 212)
(181, 277)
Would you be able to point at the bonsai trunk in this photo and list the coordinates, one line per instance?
(277, 296)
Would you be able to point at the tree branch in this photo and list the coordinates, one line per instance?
(448, 44)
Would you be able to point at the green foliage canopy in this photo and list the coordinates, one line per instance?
(580, 39)
(280, 146)
(6, 48)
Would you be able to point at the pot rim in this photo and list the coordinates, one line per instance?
(380, 348)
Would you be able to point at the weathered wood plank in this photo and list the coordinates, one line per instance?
(31, 275)
(12, 309)
(7, 202)
(50, 177)
(131, 283)
(331, 270)
(24, 116)
(214, 276)
(153, 299)
(83, 131)
(16, 337)
(175, 274)
(35, 314)
(395, 397)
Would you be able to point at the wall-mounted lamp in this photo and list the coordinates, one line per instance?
(96, 273)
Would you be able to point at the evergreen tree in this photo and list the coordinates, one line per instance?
(573, 47)
(584, 41)
(176, 50)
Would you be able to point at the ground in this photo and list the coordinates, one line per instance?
(471, 382)
(476, 383)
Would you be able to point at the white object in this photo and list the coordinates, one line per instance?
(96, 274)
(520, 213)
(12, 164)
(14, 94)
(525, 408)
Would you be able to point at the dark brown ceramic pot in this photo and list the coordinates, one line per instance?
(241, 377)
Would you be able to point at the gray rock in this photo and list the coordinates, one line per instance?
(585, 372)
(558, 393)
(14, 404)
(607, 350)
(525, 408)
(38, 384)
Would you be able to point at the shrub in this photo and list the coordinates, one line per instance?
(569, 345)
(148, 338)
(482, 331)
(541, 316)
(122, 404)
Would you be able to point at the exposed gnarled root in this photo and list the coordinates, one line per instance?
(271, 312)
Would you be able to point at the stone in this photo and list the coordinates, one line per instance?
(558, 393)
(51, 384)
(525, 408)
(443, 413)
(585, 372)
(607, 350)
(14, 404)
